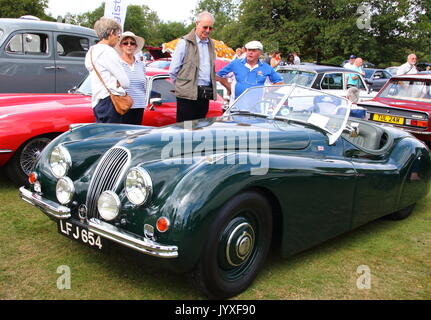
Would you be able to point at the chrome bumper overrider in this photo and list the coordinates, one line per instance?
(101, 228)
(49, 207)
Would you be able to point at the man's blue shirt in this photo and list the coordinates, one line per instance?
(246, 78)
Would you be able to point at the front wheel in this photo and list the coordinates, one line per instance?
(236, 247)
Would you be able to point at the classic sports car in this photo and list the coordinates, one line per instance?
(330, 79)
(405, 102)
(28, 122)
(284, 163)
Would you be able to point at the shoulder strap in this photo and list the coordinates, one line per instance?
(97, 72)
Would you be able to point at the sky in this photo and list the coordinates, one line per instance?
(167, 10)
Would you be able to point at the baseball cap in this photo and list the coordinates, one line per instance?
(254, 45)
(352, 56)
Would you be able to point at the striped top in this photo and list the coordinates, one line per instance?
(138, 82)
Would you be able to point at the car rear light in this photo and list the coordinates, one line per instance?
(417, 123)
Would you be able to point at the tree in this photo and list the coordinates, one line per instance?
(225, 13)
(16, 9)
(141, 20)
(144, 22)
(89, 18)
(331, 30)
(172, 30)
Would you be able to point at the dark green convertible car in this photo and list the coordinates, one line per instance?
(284, 164)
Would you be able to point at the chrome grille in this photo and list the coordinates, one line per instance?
(107, 176)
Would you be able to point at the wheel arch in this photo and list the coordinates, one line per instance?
(276, 211)
(13, 170)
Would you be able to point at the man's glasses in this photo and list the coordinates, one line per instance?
(127, 43)
(207, 28)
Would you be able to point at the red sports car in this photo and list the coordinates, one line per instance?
(405, 102)
(28, 122)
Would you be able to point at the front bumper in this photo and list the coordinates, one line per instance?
(101, 228)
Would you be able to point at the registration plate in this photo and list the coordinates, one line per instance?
(388, 118)
(79, 232)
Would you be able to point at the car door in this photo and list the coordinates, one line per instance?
(364, 92)
(27, 62)
(319, 196)
(333, 83)
(69, 59)
(162, 103)
(377, 184)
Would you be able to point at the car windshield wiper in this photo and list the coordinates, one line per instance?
(306, 123)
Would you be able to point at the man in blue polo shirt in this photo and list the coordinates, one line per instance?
(249, 71)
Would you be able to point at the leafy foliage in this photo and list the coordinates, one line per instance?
(383, 32)
(331, 30)
(16, 9)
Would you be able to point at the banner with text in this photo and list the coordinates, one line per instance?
(116, 9)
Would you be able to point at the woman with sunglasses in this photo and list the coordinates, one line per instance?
(128, 46)
(103, 63)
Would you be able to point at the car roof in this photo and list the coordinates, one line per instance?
(9, 25)
(315, 68)
(375, 69)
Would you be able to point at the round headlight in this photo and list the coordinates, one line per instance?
(60, 161)
(64, 190)
(138, 186)
(108, 205)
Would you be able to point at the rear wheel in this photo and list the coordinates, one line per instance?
(21, 164)
(401, 214)
(236, 247)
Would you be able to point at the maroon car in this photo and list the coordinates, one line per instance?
(405, 102)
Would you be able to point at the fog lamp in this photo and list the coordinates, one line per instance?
(109, 205)
(64, 190)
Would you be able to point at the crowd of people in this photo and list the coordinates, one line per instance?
(116, 69)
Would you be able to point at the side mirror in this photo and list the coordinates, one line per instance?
(155, 102)
(72, 90)
(369, 81)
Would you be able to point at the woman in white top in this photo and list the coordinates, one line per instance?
(107, 63)
(127, 47)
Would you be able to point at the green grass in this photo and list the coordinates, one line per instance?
(397, 253)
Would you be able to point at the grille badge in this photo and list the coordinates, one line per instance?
(82, 212)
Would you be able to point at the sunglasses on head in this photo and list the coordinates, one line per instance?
(126, 43)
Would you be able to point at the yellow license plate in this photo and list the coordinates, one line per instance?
(388, 119)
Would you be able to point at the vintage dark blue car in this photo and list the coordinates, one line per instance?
(284, 164)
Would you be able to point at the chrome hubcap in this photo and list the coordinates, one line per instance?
(240, 244)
